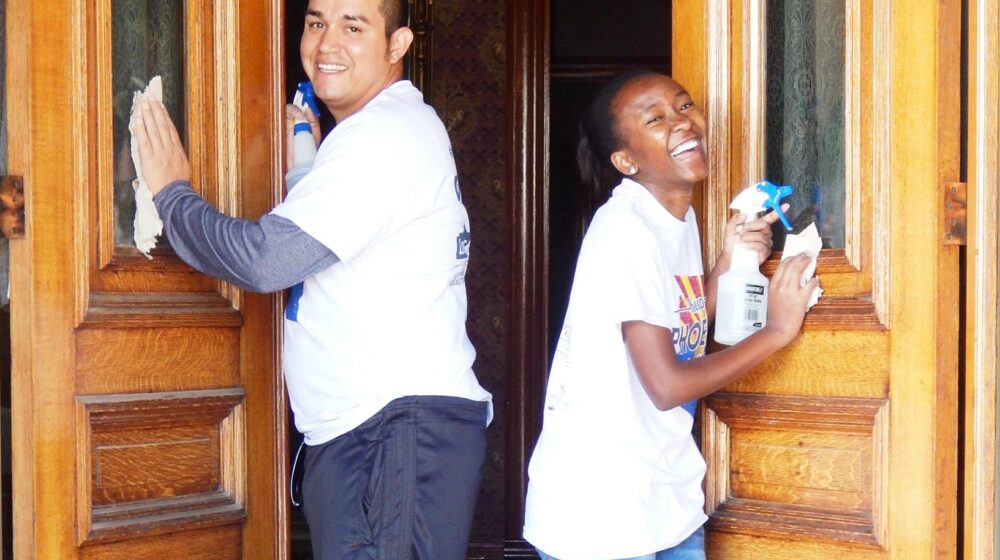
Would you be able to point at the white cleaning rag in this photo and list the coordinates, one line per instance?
(810, 243)
(148, 224)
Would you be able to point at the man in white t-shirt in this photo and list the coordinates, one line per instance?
(376, 241)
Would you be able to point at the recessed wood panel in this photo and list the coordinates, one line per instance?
(797, 467)
(808, 468)
(155, 463)
(160, 462)
(222, 543)
(156, 360)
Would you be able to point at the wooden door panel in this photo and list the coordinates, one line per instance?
(151, 405)
(843, 445)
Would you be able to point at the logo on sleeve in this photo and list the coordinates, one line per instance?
(292, 308)
(463, 242)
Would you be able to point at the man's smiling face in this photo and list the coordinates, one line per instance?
(346, 54)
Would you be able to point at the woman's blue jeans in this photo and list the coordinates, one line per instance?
(693, 548)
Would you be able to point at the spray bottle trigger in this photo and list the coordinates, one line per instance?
(775, 194)
(306, 97)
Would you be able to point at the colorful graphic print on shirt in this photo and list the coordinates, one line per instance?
(691, 337)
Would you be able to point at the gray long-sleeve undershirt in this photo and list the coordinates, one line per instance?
(268, 255)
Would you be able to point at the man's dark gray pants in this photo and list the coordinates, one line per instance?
(401, 486)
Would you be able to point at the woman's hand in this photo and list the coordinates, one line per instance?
(292, 114)
(160, 150)
(788, 298)
(755, 234)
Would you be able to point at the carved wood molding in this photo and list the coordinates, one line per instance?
(793, 466)
(159, 462)
(143, 310)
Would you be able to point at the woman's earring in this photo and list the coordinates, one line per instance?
(632, 170)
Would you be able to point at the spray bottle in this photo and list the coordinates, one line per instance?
(303, 143)
(741, 307)
(303, 154)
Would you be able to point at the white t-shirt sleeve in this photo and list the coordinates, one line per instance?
(631, 276)
(352, 197)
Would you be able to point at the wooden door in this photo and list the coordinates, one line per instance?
(844, 445)
(149, 418)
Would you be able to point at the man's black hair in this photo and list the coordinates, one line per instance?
(396, 14)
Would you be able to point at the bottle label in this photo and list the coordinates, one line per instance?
(755, 307)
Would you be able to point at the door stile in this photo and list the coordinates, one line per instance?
(982, 344)
(924, 315)
(46, 111)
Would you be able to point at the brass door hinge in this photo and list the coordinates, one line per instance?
(12, 207)
(954, 223)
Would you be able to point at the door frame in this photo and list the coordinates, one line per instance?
(982, 308)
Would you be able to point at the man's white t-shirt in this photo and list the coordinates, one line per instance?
(388, 320)
(611, 476)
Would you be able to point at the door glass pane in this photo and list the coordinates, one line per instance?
(805, 112)
(147, 41)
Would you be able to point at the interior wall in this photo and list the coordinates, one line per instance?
(469, 93)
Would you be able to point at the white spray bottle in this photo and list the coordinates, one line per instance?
(303, 143)
(741, 295)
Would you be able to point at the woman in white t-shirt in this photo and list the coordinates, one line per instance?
(616, 472)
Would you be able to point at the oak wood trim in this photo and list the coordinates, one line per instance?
(38, 81)
(948, 307)
(982, 345)
(527, 177)
(259, 182)
(719, 114)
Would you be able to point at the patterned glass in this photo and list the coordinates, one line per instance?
(805, 112)
(147, 41)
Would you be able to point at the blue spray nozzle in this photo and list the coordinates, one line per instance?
(775, 194)
(308, 97)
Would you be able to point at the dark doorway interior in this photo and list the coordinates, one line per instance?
(6, 527)
(592, 40)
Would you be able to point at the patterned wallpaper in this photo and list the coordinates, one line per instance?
(468, 91)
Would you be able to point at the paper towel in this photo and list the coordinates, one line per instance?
(147, 220)
(810, 243)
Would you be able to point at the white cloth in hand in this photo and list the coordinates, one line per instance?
(148, 224)
(810, 243)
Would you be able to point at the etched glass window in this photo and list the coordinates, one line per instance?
(805, 128)
(147, 41)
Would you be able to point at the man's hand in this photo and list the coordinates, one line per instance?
(292, 114)
(160, 150)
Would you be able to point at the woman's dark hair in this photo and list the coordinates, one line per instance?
(599, 136)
